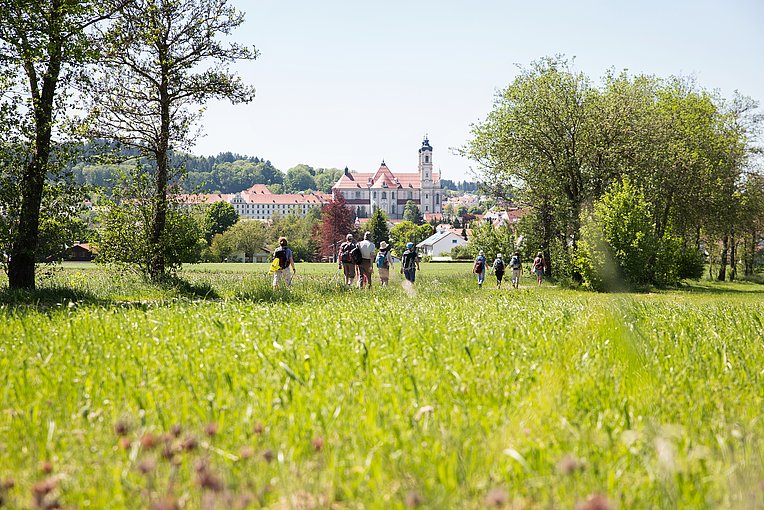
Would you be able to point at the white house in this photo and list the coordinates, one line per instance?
(440, 243)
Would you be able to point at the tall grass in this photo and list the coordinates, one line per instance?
(436, 396)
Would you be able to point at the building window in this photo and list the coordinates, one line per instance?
(374, 194)
(392, 194)
(427, 159)
(454, 241)
(426, 195)
(437, 198)
(384, 194)
(409, 194)
(358, 194)
(427, 208)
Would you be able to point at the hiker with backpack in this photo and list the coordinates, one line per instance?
(410, 263)
(498, 269)
(517, 268)
(285, 259)
(366, 267)
(384, 263)
(345, 259)
(479, 268)
(538, 267)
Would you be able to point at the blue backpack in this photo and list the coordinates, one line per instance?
(381, 259)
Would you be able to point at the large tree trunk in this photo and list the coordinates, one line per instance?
(156, 242)
(21, 268)
(723, 259)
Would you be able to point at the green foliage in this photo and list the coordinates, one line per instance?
(124, 235)
(492, 240)
(247, 236)
(299, 178)
(300, 233)
(411, 213)
(625, 217)
(218, 217)
(408, 232)
(555, 140)
(377, 225)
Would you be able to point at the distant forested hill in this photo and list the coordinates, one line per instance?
(101, 165)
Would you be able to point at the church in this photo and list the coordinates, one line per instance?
(389, 191)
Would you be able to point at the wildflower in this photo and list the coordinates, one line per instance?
(259, 428)
(246, 452)
(40, 491)
(146, 466)
(46, 467)
(496, 497)
(165, 503)
(318, 444)
(121, 428)
(569, 465)
(175, 430)
(211, 429)
(8, 484)
(189, 443)
(208, 480)
(125, 443)
(268, 455)
(595, 502)
(413, 499)
(149, 441)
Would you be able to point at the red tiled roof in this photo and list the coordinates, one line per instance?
(257, 197)
(355, 180)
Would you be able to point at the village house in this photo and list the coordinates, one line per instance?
(390, 191)
(441, 243)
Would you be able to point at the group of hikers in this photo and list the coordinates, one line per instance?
(358, 260)
(499, 267)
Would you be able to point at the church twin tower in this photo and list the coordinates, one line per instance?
(389, 191)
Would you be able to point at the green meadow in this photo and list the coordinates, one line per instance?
(214, 391)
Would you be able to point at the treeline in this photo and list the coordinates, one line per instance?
(636, 181)
(102, 164)
(464, 186)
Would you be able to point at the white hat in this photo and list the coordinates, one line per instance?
(382, 245)
(498, 255)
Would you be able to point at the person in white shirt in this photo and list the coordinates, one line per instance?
(366, 267)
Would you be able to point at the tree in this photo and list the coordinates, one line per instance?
(299, 178)
(336, 222)
(47, 43)
(247, 236)
(125, 231)
(377, 225)
(162, 58)
(411, 213)
(218, 217)
(408, 232)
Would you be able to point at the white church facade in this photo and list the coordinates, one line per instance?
(389, 191)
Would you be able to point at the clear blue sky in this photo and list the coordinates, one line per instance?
(352, 82)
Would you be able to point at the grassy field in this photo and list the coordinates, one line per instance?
(216, 392)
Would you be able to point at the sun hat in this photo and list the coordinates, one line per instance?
(349, 237)
(409, 245)
(382, 245)
(498, 255)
